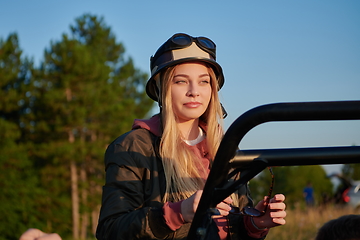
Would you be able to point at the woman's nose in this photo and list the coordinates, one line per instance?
(193, 91)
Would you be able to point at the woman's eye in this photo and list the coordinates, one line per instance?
(205, 81)
(179, 81)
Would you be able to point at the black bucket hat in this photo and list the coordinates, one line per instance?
(182, 48)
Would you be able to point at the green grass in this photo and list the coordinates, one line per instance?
(303, 224)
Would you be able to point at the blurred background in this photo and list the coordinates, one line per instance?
(72, 76)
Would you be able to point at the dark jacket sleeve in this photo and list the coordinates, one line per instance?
(131, 202)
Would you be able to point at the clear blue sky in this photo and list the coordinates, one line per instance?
(271, 51)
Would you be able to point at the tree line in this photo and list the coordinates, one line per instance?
(56, 121)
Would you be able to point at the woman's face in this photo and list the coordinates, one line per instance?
(190, 91)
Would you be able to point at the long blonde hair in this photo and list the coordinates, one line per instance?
(181, 172)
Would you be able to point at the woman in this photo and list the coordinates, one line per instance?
(155, 173)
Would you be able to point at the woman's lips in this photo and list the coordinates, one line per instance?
(192, 104)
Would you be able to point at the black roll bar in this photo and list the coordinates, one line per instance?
(229, 160)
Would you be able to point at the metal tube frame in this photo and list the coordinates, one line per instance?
(229, 160)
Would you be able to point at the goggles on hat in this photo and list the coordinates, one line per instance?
(182, 40)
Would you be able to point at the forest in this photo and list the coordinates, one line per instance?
(57, 119)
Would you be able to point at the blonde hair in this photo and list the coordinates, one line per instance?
(181, 172)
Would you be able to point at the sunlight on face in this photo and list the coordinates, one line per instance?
(190, 91)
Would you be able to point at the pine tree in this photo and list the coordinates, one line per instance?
(89, 94)
(18, 178)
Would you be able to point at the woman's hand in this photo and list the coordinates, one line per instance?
(36, 234)
(275, 212)
(189, 206)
